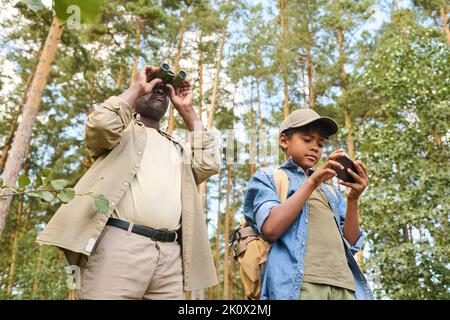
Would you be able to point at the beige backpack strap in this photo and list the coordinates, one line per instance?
(281, 183)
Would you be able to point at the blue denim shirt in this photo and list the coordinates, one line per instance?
(283, 273)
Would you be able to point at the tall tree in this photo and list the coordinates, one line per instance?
(23, 133)
(283, 50)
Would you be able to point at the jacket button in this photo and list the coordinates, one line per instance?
(113, 204)
(306, 221)
(140, 152)
(126, 183)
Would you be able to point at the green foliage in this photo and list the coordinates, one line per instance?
(406, 208)
(46, 190)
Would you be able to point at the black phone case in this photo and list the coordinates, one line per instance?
(342, 173)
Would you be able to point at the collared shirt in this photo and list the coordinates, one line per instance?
(154, 196)
(284, 270)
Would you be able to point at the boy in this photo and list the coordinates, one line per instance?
(314, 233)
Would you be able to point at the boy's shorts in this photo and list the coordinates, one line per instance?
(317, 291)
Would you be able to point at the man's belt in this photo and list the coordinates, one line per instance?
(154, 234)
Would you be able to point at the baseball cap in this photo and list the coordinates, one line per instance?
(302, 117)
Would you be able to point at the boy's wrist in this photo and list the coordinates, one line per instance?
(311, 183)
(352, 200)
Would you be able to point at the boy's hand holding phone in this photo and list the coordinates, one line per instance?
(325, 172)
(355, 189)
(353, 175)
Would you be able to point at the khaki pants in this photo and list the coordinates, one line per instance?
(126, 265)
(317, 291)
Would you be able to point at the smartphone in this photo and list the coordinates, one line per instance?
(342, 173)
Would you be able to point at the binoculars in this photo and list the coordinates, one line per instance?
(168, 77)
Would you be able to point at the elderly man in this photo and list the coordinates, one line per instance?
(153, 243)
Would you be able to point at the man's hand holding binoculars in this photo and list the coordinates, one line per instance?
(179, 91)
(181, 97)
(140, 86)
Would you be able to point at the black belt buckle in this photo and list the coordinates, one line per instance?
(154, 234)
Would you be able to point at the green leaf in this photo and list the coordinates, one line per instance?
(39, 181)
(46, 195)
(1, 182)
(46, 172)
(23, 181)
(89, 11)
(34, 194)
(59, 184)
(66, 195)
(34, 5)
(101, 203)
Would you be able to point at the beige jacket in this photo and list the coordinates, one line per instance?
(115, 138)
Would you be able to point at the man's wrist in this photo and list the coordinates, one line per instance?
(191, 119)
(139, 88)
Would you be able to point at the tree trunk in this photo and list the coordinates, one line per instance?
(261, 158)
(282, 6)
(443, 13)
(200, 77)
(121, 73)
(310, 77)
(286, 97)
(232, 226)
(137, 47)
(25, 128)
(87, 162)
(28, 217)
(303, 81)
(258, 101)
(15, 243)
(177, 63)
(15, 122)
(218, 229)
(216, 79)
(347, 119)
(394, 5)
(252, 137)
(226, 276)
(37, 276)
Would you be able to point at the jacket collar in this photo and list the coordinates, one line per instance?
(137, 116)
(168, 136)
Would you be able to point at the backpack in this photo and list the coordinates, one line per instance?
(252, 250)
